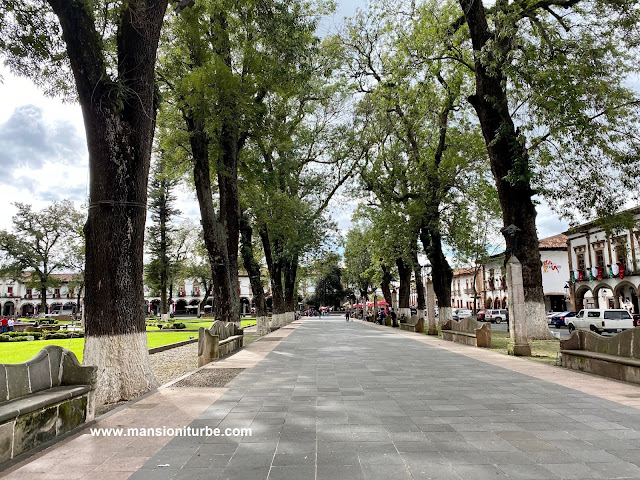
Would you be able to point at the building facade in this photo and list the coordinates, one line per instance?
(604, 265)
(18, 299)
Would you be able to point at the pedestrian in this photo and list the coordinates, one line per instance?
(4, 323)
(346, 314)
(10, 324)
(394, 318)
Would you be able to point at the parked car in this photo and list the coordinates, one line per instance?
(496, 316)
(560, 320)
(480, 314)
(601, 320)
(636, 320)
(460, 313)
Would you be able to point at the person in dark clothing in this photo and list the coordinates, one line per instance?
(346, 314)
(394, 319)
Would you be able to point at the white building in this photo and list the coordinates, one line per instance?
(555, 272)
(188, 296)
(604, 270)
(16, 298)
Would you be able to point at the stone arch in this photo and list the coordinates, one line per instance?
(620, 297)
(504, 302)
(581, 293)
(598, 301)
(496, 302)
(488, 303)
(9, 308)
(27, 309)
(181, 306)
(245, 306)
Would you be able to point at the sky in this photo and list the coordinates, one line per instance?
(43, 153)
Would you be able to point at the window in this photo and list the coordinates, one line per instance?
(621, 254)
(593, 314)
(616, 315)
(600, 258)
(581, 264)
(10, 291)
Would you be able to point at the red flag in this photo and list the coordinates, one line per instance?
(600, 271)
(621, 271)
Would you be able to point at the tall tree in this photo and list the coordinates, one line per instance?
(426, 148)
(110, 49)
(557, 68)
(42, 243)
(159, 234)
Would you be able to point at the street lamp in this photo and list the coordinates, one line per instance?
(566, 290)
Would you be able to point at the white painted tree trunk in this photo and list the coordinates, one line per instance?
(444, 315)
(406, 312)
(262, 325)
(124, 369)
(289, 317)
(537, 328)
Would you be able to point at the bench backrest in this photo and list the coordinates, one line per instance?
(42, 372)
(468, 325)
(625, 344)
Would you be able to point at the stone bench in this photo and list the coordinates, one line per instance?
(414, 324)
(42, 398)
(467, 332)
(615, 357)
(218, 340)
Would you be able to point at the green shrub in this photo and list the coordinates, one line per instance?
(7, 338)
(179, 326)
(35, 335)
(62, 335)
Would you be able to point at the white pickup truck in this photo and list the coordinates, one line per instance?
(601, 320)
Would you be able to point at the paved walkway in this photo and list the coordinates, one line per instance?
(336, 400)
(348, 401)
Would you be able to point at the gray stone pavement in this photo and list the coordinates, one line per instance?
(337, 400)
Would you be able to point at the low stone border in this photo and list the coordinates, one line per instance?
(169, 346)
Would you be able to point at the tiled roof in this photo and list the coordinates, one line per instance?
(557, 241)
(459, 272)
(63, 277)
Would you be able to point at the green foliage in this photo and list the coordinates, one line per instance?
(358, 257)
(568, 68)
(35, 335)
(61, 335)
(328, 289)
(42, 243)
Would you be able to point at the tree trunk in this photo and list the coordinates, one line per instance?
(215, 238)
(253, 269)
(404, 273)
(119, 117)
(43, 296)
(510, 168)
(441, 272)
(274, 265)
(419, 289)
(385, 286)
(290, 293)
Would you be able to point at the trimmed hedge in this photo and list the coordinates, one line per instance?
(62, 335)
(35, 335)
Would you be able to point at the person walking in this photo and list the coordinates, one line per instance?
(10, 324)
(4, 323)
(347, 314)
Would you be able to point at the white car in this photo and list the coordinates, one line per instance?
(601, 320)
(460, 313)
(497, 315)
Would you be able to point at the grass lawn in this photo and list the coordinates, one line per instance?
(16, 352)
(544, 351)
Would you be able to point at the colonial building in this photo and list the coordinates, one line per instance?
(604, 270)
(189, 294)
(555, 269)
(462, 288)
(17, 298)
